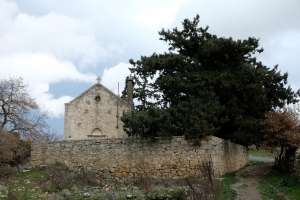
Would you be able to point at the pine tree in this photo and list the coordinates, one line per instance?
(205, 85)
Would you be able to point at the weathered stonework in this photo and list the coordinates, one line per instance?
(95, 114)
(132, 157)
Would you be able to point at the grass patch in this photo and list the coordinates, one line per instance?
(35, 174)
(57, 182)
(227, 193)
(275, 182)
(40, 183)
(263, 153)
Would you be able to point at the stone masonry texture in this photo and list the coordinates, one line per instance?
(95, 114)
(132, 157)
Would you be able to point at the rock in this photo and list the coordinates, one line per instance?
(65, 193)
(86, 195)
(112, 170)
(134, 170)
(43, 166)
(27, 167)
(118, 175)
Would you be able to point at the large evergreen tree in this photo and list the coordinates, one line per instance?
(205, 85)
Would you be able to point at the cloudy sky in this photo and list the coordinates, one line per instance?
(61, 47)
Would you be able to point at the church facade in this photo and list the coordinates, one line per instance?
(95, 114)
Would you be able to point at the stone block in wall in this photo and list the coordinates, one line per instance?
(194, 163)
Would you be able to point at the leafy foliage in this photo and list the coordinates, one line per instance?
(205, 85)
(13, 150)
(281, 128)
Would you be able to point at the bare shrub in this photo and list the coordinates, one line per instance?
(89, 178)
(44, 137)
(145, 183)
(6, 171)
(205, 187)
(58, 177)
(20, 113)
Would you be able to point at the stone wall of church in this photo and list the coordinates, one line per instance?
(95, 114)
(132, 157)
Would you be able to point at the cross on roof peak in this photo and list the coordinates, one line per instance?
(98, 79)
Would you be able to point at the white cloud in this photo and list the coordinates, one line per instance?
(161, 14)
(111, 77)
(39, 71)
(45, 50)
(283, 49)
(62, 36)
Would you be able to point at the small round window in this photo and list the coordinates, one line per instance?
(97, 99)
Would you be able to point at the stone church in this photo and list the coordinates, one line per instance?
(95, 114)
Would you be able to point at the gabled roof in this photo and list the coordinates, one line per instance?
(101, 86)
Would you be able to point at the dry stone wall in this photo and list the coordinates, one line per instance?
(132, 157)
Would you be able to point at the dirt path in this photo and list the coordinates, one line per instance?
(248, 181)
(249, 177)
